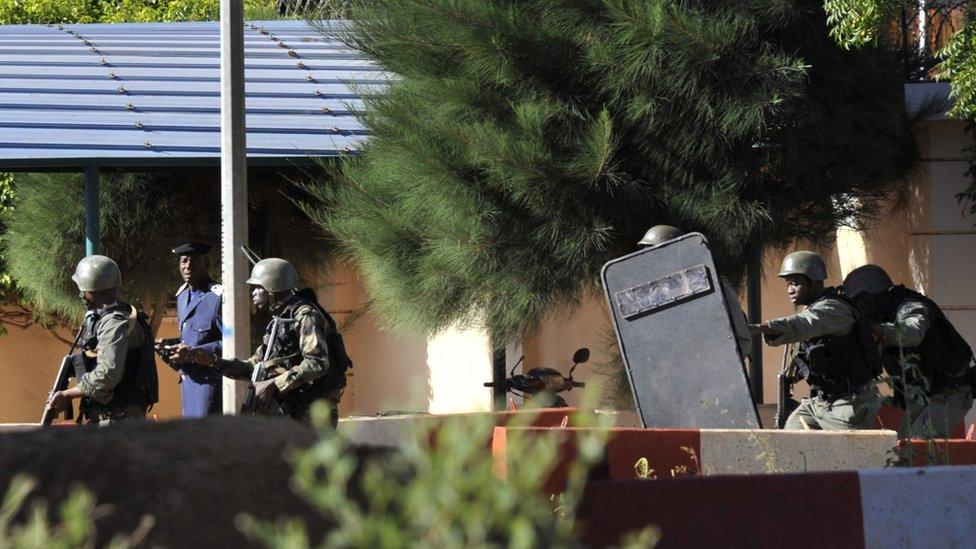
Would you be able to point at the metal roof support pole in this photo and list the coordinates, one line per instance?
(93, 240)
(233, 196)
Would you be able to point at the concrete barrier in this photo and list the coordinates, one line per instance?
(684, 452)
(392, 431)
(898, 507)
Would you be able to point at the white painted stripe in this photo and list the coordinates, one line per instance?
(746, 451)
(919, 507)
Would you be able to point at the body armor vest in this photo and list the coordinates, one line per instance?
(139, 384)
(838, 365)
(943, 356)
(286, 353)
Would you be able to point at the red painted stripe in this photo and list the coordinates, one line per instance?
(890, 418)
(942, 452)
(669, 452)
(814, 510)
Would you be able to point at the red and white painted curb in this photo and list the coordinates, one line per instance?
(692, 452)
(897, 507)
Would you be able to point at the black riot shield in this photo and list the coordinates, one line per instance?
(676, 337)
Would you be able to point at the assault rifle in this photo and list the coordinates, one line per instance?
(260, 373)
(785, 403)
(65, 372)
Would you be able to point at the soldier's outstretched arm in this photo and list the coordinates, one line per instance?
(238, 369)
(823, 317)
(234, 368)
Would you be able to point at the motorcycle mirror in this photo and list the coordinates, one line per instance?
(512, 373)
(581, 355)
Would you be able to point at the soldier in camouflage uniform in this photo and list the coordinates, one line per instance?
(304, 363)
(121, 383)
(831, 354)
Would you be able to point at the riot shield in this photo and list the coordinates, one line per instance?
(676, 339)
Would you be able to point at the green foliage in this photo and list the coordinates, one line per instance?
(49, 11)
(959, 67)
(858, 22)
(76, 526)
(142, 217)
(118, 11)
(440, 492)
(855, 23)
(525, 144)
(7, 288)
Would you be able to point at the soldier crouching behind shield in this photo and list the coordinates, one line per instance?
(920, 348)
(121, 383)
(836, 356)
(302, 354)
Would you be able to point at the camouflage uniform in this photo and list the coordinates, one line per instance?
(117, 336)
(826, 317)
(299, 360)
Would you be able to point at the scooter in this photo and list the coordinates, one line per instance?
(542, 384)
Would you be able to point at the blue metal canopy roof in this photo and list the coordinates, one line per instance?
(148, 95)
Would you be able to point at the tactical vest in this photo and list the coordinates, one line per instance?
(835, 365)
(285, 353)
(943, 356)
(140, 384)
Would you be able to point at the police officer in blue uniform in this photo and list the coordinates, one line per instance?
(198, 310)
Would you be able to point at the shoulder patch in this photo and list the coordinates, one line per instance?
(217, 289)
(182, 288)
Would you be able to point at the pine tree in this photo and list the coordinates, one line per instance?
(520, 145)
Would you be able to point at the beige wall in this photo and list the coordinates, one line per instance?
(389, 371)
(566, 330)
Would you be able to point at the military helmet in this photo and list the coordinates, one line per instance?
(274, 275)
(808, 264)
(658, 234)
(97, 272)
(867, 279)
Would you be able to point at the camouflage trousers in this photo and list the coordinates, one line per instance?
(942, 413)
(840, 414)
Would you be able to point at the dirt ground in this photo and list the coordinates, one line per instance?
(194, 476)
